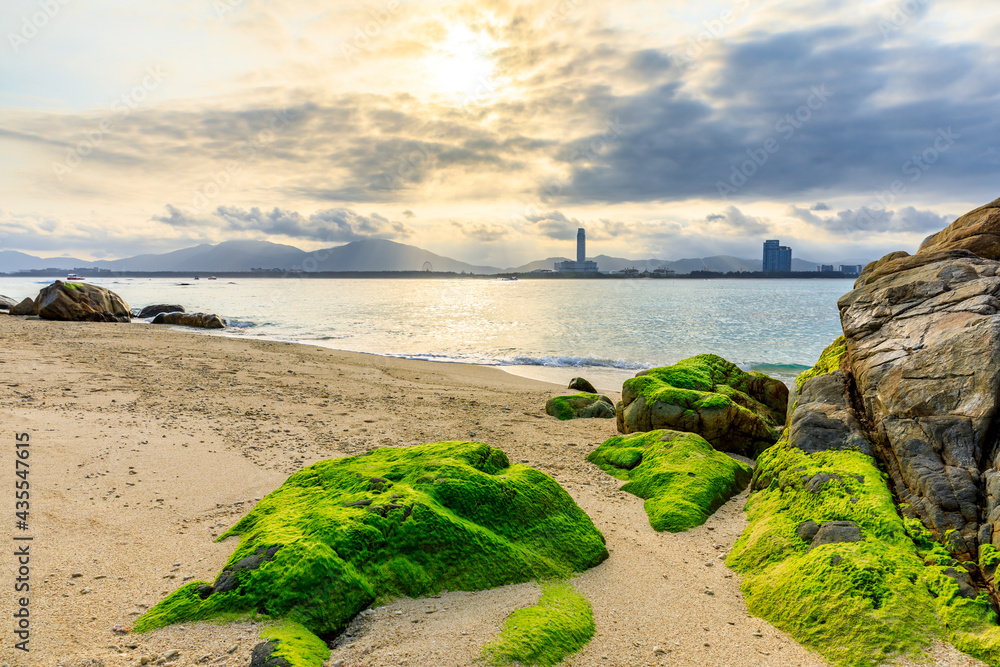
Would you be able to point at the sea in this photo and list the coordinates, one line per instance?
(550, 330)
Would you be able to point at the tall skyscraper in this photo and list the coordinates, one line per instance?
(777, 258)
(581, 265)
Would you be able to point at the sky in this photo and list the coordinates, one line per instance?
(490, 130)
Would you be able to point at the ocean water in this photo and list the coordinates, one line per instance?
(545, 329)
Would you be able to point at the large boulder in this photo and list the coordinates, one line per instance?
(977, 231)
(923, 346)
(197, 320)
(153, 311)
(6, 303)
(81, 302)
(413, 521)
(734, 410)
(26, 307)
(581, 406)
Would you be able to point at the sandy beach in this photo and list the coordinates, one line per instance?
(148, 442)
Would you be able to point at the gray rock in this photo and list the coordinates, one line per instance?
(966, 589)
(581, 384)
(26, 307)
(834, 532)
(196, 320)
(6, 303)
(261, 655)
(229, 580)
(153, 311)
(823, 418)
(807, 530)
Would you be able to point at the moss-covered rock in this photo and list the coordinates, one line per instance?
(560, 624)
(856, 602)
(680, 475)
(580, 406)
(828, 362)
(734, 410)
(289, 644)
(344, 533)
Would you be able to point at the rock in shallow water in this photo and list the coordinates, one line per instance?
(196, 320)
(153, 311)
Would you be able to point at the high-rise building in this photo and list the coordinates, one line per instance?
(852, 269)
(825, 268)
(777, 258)
(581, 265)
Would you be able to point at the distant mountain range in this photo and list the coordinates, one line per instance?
(367, 255)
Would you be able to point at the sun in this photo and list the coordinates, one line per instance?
(461, 67)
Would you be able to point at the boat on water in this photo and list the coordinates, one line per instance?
(74, 278)
(212, 278)
(507, 280)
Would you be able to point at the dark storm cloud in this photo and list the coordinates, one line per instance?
(833, 108)
(874, 219)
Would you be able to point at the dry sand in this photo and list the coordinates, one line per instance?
(148, 442)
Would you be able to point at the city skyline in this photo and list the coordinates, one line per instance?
(493, 130)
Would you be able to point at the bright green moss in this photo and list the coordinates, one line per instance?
(450, 515)
(297, 645)
(828, 362)
(560, 624)
(582, 405)
(857, 603)
(734, 410)
(681, 477)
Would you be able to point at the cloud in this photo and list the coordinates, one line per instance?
(872, 219)
(555, 225)
(483, 233)
(734, 220)
(337, 225)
